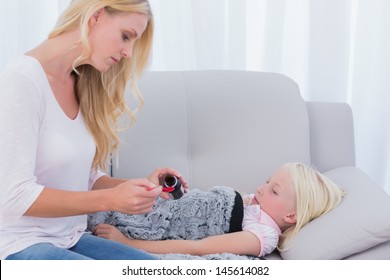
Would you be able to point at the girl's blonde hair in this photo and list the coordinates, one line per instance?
(315, 195)
(101, 95)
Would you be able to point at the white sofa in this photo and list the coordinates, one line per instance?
(234, 128)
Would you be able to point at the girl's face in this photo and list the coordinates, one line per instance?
(112, 37)
(277, 198)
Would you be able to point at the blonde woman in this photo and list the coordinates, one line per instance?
(59, 107)
(293, 196)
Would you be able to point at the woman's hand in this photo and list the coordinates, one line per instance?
(110, 232)
(135, 196)
(160, 172)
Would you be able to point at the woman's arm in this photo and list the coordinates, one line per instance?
(134, 196)
(106, 182)
(239, 243)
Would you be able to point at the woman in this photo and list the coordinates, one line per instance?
(59, 108)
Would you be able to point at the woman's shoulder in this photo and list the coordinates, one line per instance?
(24, 74)
(24, 82)
(23, 66)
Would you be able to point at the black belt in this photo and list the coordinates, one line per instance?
(237, 214)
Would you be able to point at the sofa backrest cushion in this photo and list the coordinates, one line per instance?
(332, 141)
(216, 127)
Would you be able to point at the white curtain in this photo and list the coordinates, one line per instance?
(336, 50)
(24, 24)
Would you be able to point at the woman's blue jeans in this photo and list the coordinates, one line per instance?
(89, 247)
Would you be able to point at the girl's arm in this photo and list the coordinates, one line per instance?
(239, 243)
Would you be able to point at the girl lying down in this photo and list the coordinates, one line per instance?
(222, 221)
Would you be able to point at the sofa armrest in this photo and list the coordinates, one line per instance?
(332, 142)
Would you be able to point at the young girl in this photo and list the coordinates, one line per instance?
(293, 196)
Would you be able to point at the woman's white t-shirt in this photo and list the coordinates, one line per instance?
(40, 147)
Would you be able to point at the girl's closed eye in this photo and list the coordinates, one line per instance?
(274, 192)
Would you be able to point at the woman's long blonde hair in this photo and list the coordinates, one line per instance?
(315, 195)
(102, 95)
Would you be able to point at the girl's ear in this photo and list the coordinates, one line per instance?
(290, 218)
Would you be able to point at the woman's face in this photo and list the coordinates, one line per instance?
(112, 37)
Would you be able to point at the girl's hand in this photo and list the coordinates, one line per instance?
(110, 232)
(160, 172)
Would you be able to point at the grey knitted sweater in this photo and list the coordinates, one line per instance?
(196, 215)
